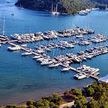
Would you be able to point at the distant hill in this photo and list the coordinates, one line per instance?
(64, 6)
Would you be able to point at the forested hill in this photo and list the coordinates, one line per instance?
(64, 6)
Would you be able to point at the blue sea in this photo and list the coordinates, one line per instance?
(22, 78)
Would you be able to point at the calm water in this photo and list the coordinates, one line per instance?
(22, 78)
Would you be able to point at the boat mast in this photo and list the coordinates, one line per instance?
(52, 7)
(106, 6)
(3, 26)
(56, 7)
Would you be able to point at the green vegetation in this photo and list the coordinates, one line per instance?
(73, 6)
(96, 96)
(93, 96)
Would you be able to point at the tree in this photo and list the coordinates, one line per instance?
(42, 103)
(93, 104)
(78, 104)
(53, 105)
(77, 92)
(11, 106)
(90, 91)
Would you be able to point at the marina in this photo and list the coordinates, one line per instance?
(65, 61)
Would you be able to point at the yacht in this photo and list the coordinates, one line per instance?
(84, 12)
(79, 36)
(65, 69)
(14, 48)
(54, 65)
(26, 53)
(37, 56)
(80, 76)
(46, 62)
(55, 13)
(41, 59)
(24, 45)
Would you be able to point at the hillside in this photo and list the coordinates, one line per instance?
(64, 6)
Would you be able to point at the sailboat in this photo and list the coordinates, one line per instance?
(55, 10)
(3, 31)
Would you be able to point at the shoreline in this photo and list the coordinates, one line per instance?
(31, 96)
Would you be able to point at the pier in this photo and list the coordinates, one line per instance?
(89, 75)
(70, 68)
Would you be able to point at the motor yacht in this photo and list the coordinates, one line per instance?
(80, 76)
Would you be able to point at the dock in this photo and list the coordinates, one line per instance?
(77, 71)
(22, 48)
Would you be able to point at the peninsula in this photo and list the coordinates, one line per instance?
(64, 6)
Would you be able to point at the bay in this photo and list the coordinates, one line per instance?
(22, 78)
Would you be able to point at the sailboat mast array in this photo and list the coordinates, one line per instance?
(54, 9)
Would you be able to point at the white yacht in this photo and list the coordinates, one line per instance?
(54, 65)
(37, 56)
(46, 62)
(24, 45)
(84, 12)
(65, 69)
(26, 53)
(55, 13)
(79, 36)
(14, 48)
(40, 59)
(80, 76)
